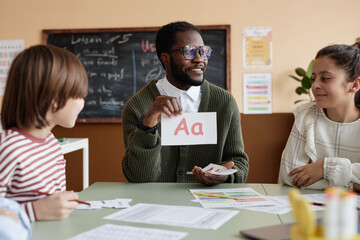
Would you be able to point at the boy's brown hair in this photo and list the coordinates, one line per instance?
(40, 76)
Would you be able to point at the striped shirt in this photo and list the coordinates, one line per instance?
(30, 164)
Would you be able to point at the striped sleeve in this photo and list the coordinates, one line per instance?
(27, 164)
(29, 209)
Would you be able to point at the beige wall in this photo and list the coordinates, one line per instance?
(300, 28)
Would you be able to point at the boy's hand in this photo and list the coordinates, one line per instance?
(56, 206)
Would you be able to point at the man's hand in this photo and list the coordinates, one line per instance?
(308, 174)
(162, 104)
(56, 206)
(208, 178)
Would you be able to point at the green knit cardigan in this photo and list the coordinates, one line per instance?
(145, 160)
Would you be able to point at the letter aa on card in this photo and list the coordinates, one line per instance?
(189, 129)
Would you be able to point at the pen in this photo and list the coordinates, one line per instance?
(321, 204)
(214, 195)
(48, 194)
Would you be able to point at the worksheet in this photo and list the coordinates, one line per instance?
(117, 232)
(183, 216)
(281, 206)
(229, 198)
(319, 198)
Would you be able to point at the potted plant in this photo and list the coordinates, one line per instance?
(305, 81)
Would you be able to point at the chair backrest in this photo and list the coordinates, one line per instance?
(265, 137)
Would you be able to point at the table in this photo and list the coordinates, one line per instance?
(74, 144)
(160, 193)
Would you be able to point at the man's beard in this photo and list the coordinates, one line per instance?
(182, 77)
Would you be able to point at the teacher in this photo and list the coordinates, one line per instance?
(184, 56)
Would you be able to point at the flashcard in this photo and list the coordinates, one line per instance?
(218, 169)
(189, 129)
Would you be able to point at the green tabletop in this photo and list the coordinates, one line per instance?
(159, 193)
(279, 190)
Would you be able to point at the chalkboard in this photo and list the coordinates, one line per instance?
(121, 61)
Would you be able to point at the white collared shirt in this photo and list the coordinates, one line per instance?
(189, 99)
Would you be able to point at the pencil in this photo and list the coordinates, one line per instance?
(214, 195)
(82, 202)
(48, 194)
(322, 204)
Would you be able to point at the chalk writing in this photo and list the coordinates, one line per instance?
(147, 47)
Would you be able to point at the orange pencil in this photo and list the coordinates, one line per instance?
(48, 194)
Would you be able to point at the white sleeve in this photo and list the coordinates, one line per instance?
(294, 156)
(341, 172)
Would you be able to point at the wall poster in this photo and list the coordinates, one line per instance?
(9, 49)
(257, 48)
(257, 93)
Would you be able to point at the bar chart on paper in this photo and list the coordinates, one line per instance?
(228, 198)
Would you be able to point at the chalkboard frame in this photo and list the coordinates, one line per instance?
(226, 28)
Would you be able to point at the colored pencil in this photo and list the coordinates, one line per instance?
(48, 194)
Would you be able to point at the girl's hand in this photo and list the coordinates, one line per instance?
(308, 174)
(56, 206)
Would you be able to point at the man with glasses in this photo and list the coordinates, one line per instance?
(184, 56)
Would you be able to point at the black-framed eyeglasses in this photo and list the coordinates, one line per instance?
(190, 51)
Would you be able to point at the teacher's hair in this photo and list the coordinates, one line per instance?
(39, 77)
(166, 36)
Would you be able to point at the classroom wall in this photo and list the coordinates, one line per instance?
(299, 29)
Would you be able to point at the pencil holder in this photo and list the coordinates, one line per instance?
(305, 227)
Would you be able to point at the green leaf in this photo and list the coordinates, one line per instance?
(306, 82)
(301, 90)
(300, 71)
(297, 79)
(300, 100)
(310, 69)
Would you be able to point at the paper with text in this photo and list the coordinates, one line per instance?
(281, 206)
(183, 216)
(116, 232)
(189, 129)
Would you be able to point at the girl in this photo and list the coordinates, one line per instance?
(323, 148)
(45, 87)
